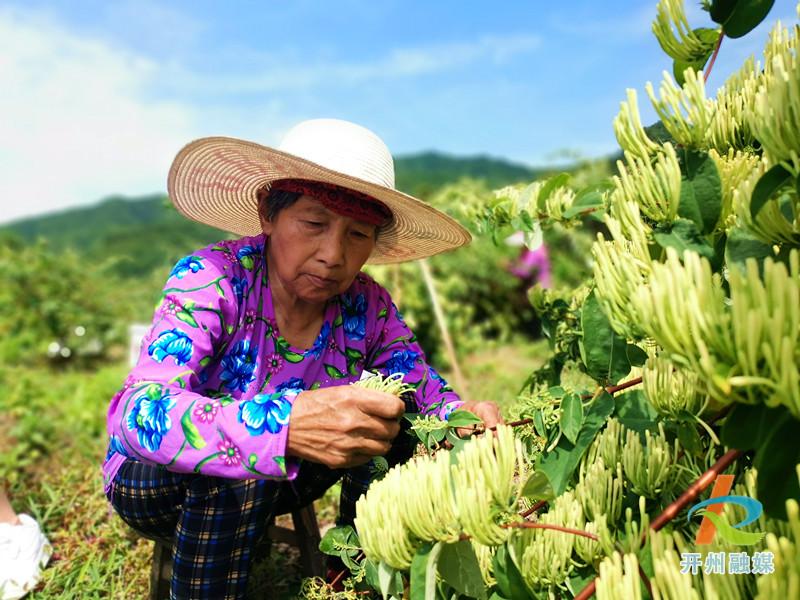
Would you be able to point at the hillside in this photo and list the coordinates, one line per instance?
(146, 232)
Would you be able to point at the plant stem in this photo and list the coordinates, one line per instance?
(529, 525)
(535, 508)
(713, 56)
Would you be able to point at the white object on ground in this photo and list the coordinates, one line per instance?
(24, 551)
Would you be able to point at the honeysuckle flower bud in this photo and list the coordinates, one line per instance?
(775, 120)
(488, 486)
(485, 554)
(630, 538)
(730, 126)
(773, 224)
(544, 556)
(735, 167)
(619, 578)
(674, 34)
(765, 319)
(622, 265)
(607, 446)
(785, 581)
(671, 391)
(685, 111)
(653, 184)
(647, 466)
(629, 131)
(600, 490)
(668, 581)
(428, 499)
(590, 550)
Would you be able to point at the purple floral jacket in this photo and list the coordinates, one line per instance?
(212, 391)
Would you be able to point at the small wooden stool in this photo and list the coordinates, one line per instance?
(305, 536)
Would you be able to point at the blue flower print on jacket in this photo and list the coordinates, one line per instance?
(115, 446)
(295, 383)
(247, 255)
(239, 365)
(150, 417)
(239, 287)
(186, 264)
(266, 412)
(354, 315)
(322, 340)
(402, 361)
(174, 343)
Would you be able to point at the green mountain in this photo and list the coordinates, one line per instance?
(145, 233)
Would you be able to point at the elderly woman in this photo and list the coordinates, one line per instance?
(239, 407)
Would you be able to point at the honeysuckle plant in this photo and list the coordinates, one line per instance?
(686, 340)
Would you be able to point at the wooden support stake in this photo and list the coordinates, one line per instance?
(461, 383)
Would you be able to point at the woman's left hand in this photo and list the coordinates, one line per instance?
(488, 412)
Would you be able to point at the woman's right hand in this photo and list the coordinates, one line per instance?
(343, 426)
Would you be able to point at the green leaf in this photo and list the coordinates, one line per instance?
(247, 262)
(709, 38)
(538, 487)
(748, 426)
(385, 579)
(776, 461)
(689, 438)
(292, 357)
(353, 354)
(422, 584)
(571, 416)
(462, 418)
(636, 355)
(561, 462)
(683, 235)
(701, 190)
(186, 317)
(333, 372)
(634, 411)
(604, 353)
(769, 183)
(589, 201)
(509, 580)
(739, 17)
(772, 433)
(549, 187)
(338, 538)
(741, 245)
(459, 567)
(658, 133)
(191, 432)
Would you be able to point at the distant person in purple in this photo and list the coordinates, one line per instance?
(530, 266)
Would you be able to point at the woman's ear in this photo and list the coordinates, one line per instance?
(266, 224)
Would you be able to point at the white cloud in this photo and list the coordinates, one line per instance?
(276, 74)
(83, 117)
(77, 123)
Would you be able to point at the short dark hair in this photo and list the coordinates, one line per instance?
(272, 202)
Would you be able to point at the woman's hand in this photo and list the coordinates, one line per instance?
(343, 426)
(488, 412)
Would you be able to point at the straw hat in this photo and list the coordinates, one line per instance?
(214, 181)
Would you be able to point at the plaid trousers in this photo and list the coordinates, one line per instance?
(213, 523)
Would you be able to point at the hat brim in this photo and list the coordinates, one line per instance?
(214, 181)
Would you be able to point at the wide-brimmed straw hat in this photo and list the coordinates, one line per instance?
(215, 181)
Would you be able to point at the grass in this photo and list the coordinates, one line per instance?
(52, 442)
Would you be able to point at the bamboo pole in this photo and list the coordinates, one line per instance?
(461, 383)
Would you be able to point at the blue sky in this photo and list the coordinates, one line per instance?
(97, 97)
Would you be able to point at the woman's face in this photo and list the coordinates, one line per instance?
(316, 253)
